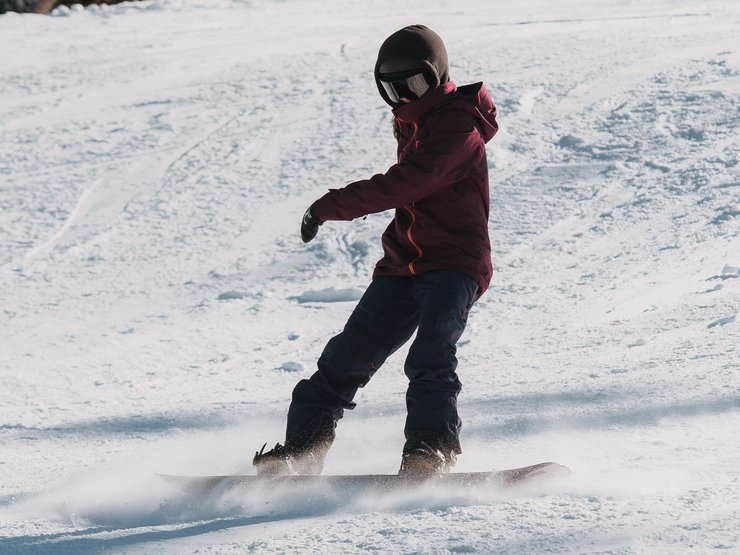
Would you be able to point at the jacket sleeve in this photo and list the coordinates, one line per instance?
(443, 158)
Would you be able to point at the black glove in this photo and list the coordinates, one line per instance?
(309, 226)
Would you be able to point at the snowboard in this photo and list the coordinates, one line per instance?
(509, 478)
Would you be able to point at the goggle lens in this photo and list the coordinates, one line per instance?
(411, 87)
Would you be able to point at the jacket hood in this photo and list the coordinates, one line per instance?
(478, 102)
(415, 47)
(474, 99)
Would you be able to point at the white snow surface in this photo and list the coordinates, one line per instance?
(157, 304)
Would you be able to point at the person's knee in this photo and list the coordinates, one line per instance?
(431, 361)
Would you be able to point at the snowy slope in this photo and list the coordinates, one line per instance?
(157, 304)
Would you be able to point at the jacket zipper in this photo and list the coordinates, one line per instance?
(419, 252)
(411, 140)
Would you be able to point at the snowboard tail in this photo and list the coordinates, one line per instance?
(498, 479)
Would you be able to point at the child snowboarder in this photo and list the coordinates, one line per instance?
(436, 263)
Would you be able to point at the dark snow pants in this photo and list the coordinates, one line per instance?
(387, 315)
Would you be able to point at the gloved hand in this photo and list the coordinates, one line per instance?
(309, 226)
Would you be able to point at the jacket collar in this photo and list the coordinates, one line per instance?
(415, 110)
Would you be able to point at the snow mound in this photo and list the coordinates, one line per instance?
(328, 295)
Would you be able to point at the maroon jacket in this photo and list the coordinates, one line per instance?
(439, 187)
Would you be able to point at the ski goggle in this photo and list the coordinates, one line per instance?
(404, 86)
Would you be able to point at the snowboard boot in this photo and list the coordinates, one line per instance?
(282, 460)
(303, 453)
(424, 460)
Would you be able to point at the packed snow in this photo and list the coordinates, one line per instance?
(157, 304)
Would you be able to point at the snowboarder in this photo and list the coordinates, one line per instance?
(436, 263)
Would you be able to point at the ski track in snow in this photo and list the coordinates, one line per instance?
(157, 305)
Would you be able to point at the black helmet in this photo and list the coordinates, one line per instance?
(410, 62)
